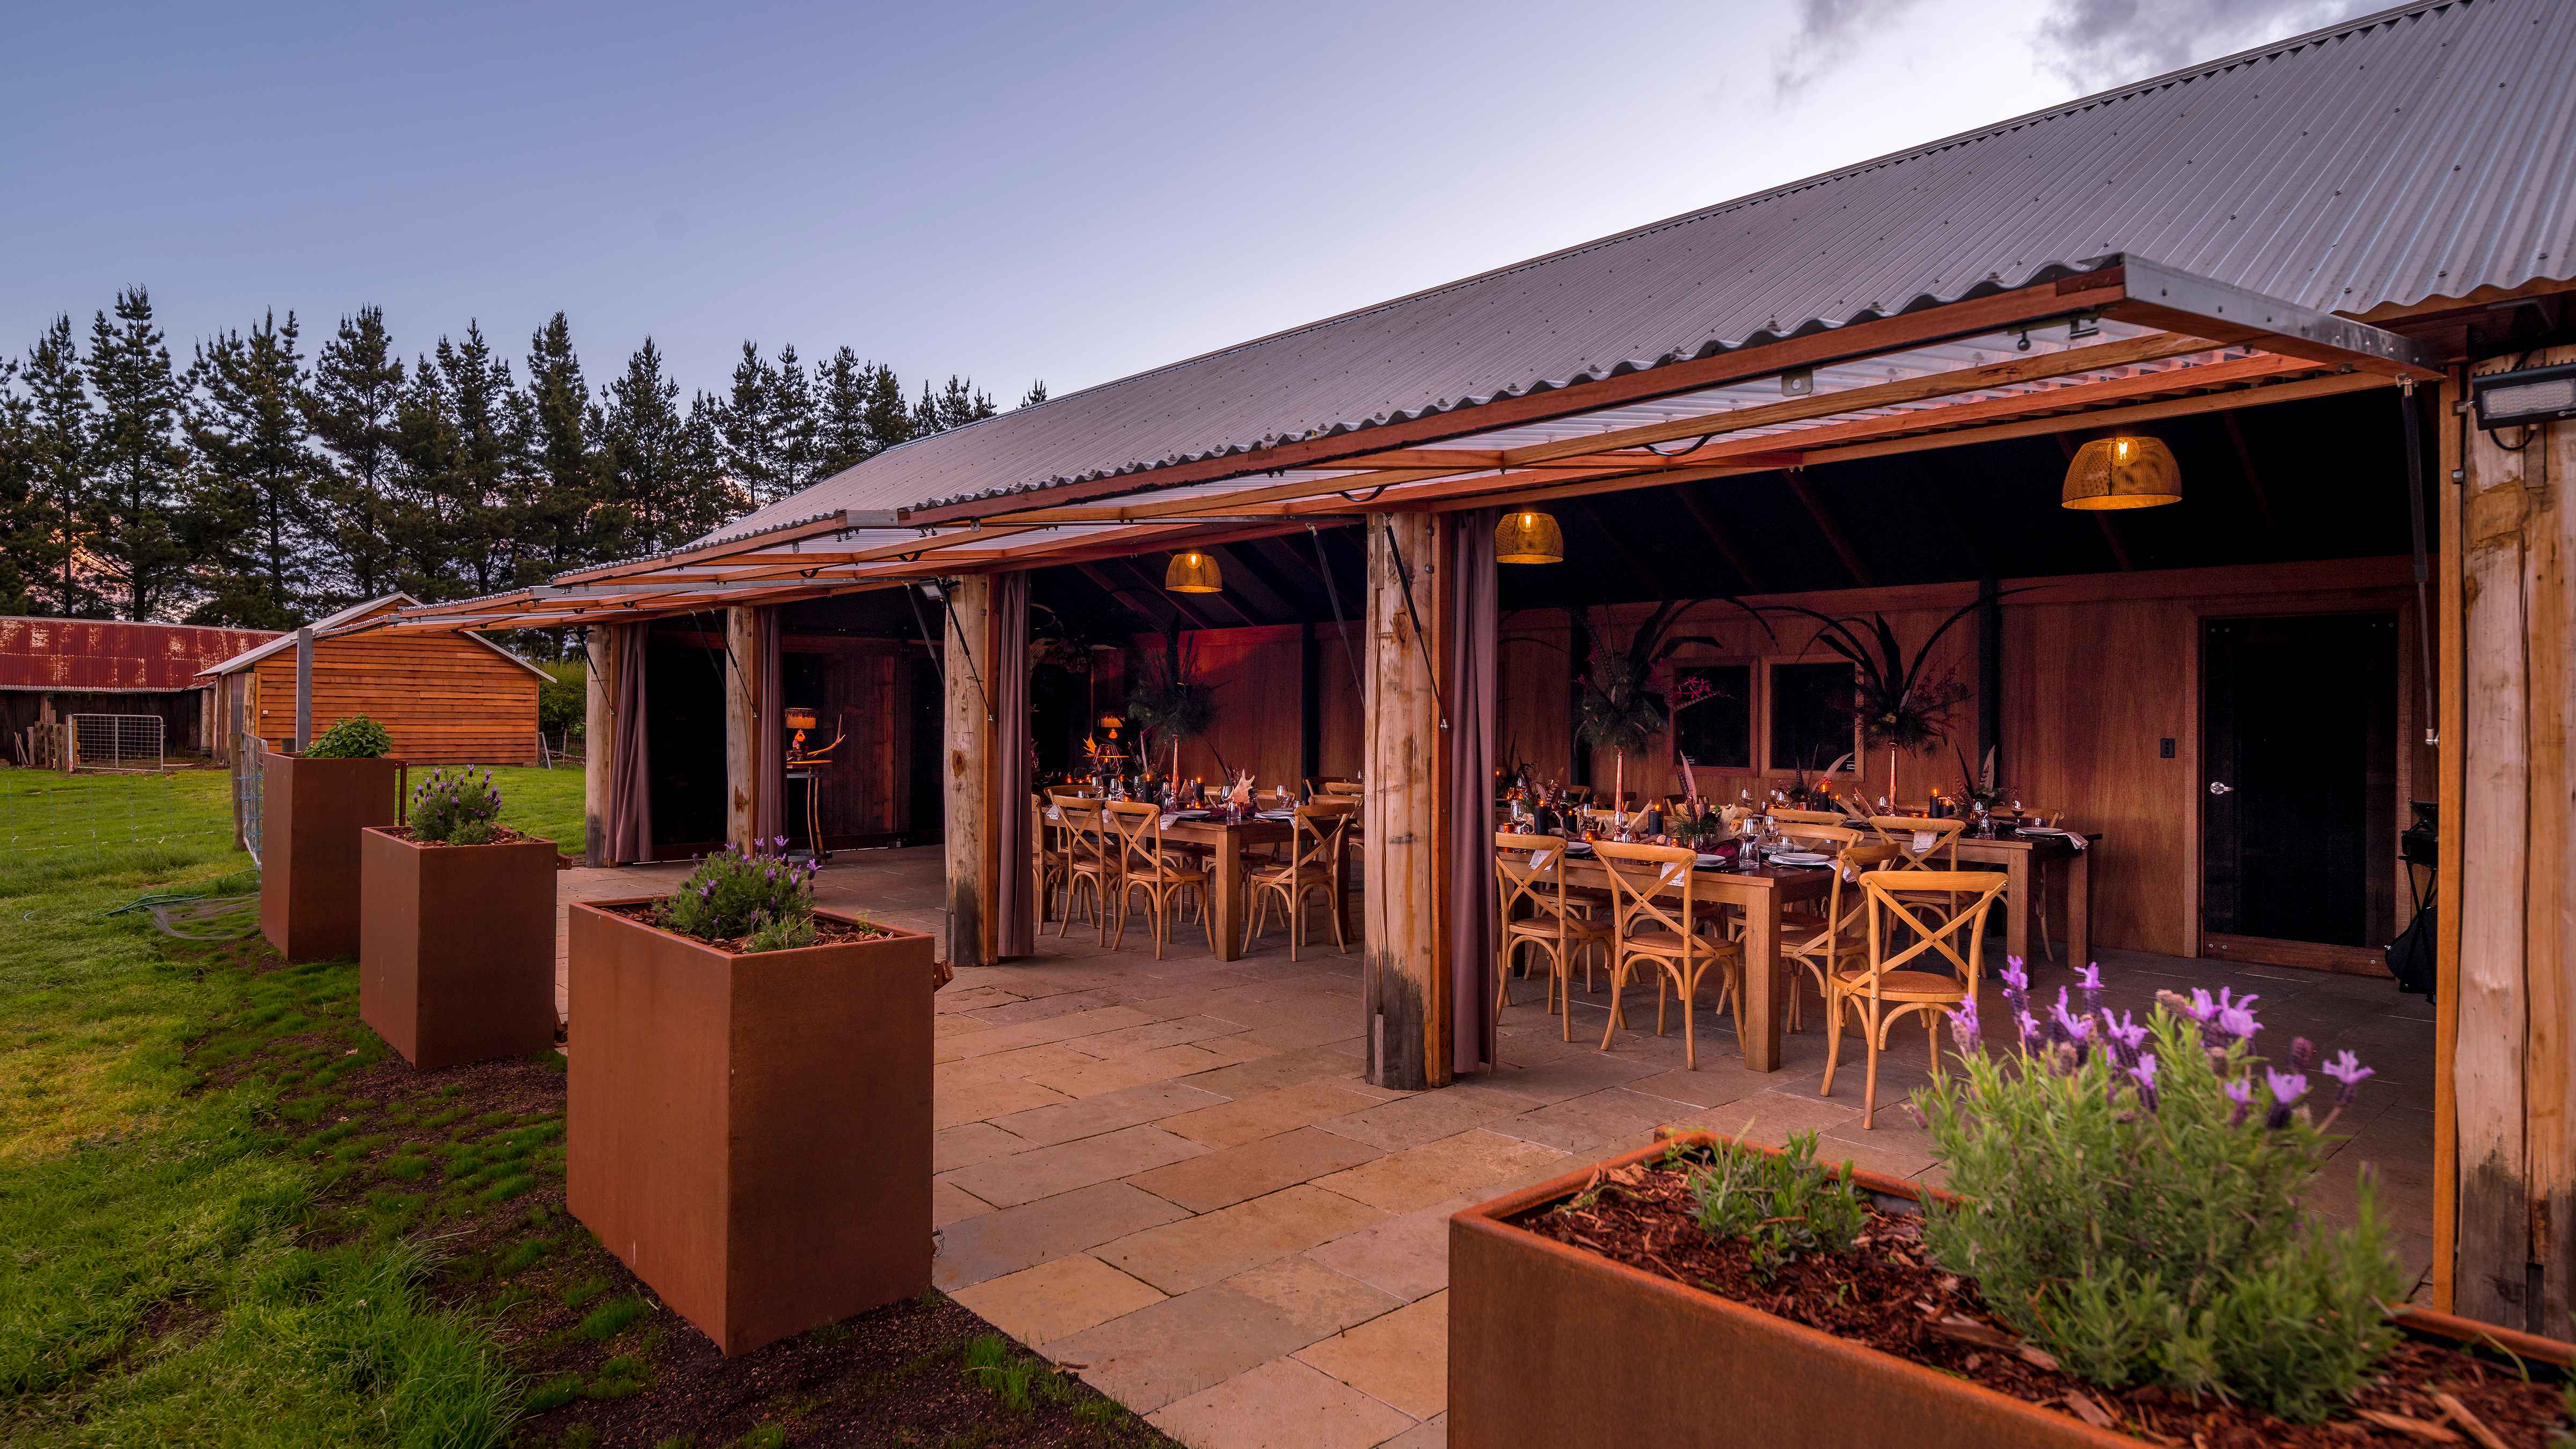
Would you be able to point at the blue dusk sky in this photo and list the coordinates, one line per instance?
(1069, 191)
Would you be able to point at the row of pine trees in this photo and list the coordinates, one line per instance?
(260, 485)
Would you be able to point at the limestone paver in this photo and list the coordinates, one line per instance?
(952, 1204)
(968, 1143)
(994, 1243)
(1429, 1434)
(1282, 1404)
(1170, 1350)
(1137, 1040)
(1402, 1358)
(1437, 1171)
(1090, 1079)
(1249, 1119)
(1047, 1171)
(1180, 1256)
(1572, 1075)
(1288, 1069)
(1407, 1255)
(1071, 1026)
(1427, 1116)
(1047, 1302)
(1714, 1085)
(1157, 1102)
(1008, 1066)
(1231, 1175)
(1596, 1119)
(976, 1101)
(1313, 1296)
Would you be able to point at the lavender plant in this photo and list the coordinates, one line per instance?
(738, 894)
(2129, 1200)
(1783, 1205)
(462, 808)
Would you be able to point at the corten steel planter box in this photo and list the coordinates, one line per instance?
(311, 812)
(751, 1134)
(1552, 1347)
(456, 958)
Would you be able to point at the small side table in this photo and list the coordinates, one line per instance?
(812, 772)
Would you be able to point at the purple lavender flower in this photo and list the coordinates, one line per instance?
(779, 841)
(2240, 1092)
(2143, 1073)
(2089, 981)
(2016, 978)
(2201, 1009)
(2122, 1037)
(1963, 1026)
(2287, 1088)
(2348, 1073)
(2303, 1053)
(2029, 1028)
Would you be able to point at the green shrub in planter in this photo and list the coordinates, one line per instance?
(737, 894)
(458, 809)
(2129, 1200)
(354, 738)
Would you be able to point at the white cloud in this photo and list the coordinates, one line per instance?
(2095, 44)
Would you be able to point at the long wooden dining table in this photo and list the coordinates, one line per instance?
(1760, 894)
(2021, 856)
(1226, 845)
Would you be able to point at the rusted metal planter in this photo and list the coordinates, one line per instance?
(312, 812)
(751, 1134)
(456, 948)
(1556, 1347)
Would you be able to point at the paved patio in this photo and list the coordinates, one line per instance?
(1171, 1175)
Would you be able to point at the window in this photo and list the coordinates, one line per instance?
(1811, 720)
(1713, 715)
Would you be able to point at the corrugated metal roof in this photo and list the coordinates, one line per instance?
(111, 654)
(339, 623)
(2423, 151)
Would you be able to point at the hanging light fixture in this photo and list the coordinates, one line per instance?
(2125, 470)
(1527, 536)
(1192, 572)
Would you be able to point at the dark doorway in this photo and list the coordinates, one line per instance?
(929, 700)
(684, 719)
(2298, 810)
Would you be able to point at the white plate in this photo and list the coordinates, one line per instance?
(1278, 814)
(1801, 857)
(1706, 859)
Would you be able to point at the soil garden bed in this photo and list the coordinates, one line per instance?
(1887, 1294)
(501, 835)
(828, 930)
(470, 1162)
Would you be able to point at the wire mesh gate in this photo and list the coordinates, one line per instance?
(116, 742)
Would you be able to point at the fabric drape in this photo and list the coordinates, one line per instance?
(769, 733)
(1471, 631)
(1015, 767)
(630, 755)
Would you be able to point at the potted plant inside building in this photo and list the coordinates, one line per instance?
(313, 804)
(2122, 1256)
(456, 958)
(749, 1115)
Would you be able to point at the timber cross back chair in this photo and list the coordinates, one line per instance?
(1787, 817)
(1055, 847)
(1676, 937)
(1884, 989)
(1134, 834)
(1821, 935)
(1529, 871)
(1087, 862)
(1313, 867)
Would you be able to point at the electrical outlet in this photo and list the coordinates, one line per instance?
(2164, 750)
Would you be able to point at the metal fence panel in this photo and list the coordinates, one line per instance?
(118, 742)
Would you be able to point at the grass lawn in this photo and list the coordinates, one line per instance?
(230, 1216)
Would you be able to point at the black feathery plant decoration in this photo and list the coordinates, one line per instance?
(1897, 704)
(1620, 703)
(1170, 706)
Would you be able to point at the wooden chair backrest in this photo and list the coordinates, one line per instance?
(1318, 833)
(1639, 875)
(1138, 829)
(1788, 817)
(1067, 792)
(1855, 855)
(1327, 788)
(1907, 833)
(1934, 924)
(1531, 868)
(1081, 824)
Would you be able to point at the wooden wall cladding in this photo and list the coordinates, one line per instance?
(2097, 671)
(1255, 677)
(446, 699)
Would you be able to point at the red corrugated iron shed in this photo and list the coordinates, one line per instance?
(102, 655)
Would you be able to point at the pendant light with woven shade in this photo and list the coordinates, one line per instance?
(1193, 572)
(1527, 536)
(2125, 470)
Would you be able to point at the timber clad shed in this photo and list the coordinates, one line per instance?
(446, 699)
(54, 668)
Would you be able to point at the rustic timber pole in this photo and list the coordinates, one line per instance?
(1405, 977)
(303, 687)
(2506, 1097)
(974, 869)
(742, 725)
(598, 743)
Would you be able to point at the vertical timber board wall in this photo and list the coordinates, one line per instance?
(862, 788)
(1253, 679)
(1338, 696)
(2512, 1113)
(446, 699)
(1404, 986)
(2097, 670)
(966, 772)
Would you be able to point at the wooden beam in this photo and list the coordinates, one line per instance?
(1852, 562)
(742, 725)
(1859, 339)
(598, 748)
(967, 771)
(1404, 977)
(2253, 479)
(1247, 571)
(1127, 598)
(2449, 791)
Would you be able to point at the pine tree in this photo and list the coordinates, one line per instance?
(137, 460)
(841, 414)
(554, 514)
(714, 493)
(644, 460)
(22, 524)
(420, 505)
(490, 466)
(953, 406)
(749, 424)
(792, 414)
(889, 421)
(351, 410)
(1036, 394)
(59, 435)
(247, 524)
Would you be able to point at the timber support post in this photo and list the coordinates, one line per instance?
(1405, 977)
(742, 725)
(968, 770)
(2506, 1098)
(598, 743)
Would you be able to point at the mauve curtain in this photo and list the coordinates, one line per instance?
(1014, 772)
(630, 754)
(1472, 631)
(769, 733)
